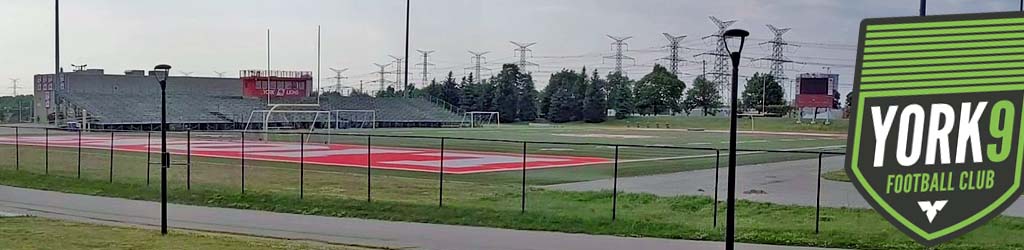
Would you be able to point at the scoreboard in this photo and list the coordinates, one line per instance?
(814, 90)
(276, 83)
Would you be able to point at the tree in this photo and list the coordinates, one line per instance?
(433, 89)
(849, 104)
(762, 90)
(835, 99)
(527, 98)
(620, 94)
(658, 92)
(451, 92)
(477, 96)
(703, 95)
(506, 98)
(563, 97)
(595, 103)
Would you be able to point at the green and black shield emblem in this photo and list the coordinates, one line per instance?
(935, 143)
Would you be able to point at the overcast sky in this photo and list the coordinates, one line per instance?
(206, 36)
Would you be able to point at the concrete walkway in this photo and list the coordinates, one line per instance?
(790, 182)
(329, 229)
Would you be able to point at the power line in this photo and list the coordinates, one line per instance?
(777, 58)
(426, 55)
(618, 44)
(398, 70)
(337, 78)
(522, 49)
(477, 58)
(14, 87)
(721, 62)
(382, 72)
(673, 56)
(220, 73)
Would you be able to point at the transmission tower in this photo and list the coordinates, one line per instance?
(337, 78)
(186, 73)
(720, 70)
(382, 72)
(477, 59)
(426, 55)
(14, 85)
(398, 70)
(618, 45)
(673, 49)
(777, 58)
(523, 49)
(220, 73)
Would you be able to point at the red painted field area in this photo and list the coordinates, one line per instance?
(412, 159)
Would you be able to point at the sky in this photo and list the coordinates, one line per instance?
(200, 37)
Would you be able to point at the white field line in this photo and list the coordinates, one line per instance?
(712, 155)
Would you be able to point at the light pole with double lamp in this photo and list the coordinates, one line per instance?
(730, 215)
(162, 71)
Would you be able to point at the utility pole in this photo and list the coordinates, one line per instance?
(477, 59)
(337, 78)
(777, 59)
(398, 71)
(673, 50)
(523, 49)
(382, 72)
(720, 66)
(618, 44)
(924, 4)
(426, 55)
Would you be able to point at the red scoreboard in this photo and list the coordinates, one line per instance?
(276, 83)
(814, 90)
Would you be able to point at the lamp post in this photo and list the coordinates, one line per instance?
(162, 71)
(730, 215)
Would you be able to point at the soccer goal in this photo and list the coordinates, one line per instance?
(476, 119)
(273, 119)
(354, 118)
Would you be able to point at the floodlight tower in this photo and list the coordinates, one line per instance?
(523, 49)
(673, 49)
(478, 58)
(720, 69)
(426, 55)
(398, 71)
(618, 45)
(337, 78)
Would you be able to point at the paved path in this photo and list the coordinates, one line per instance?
(329, 229)
(790, 182)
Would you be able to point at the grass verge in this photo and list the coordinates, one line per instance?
(580, 212)
(837, 175)
(40, 233)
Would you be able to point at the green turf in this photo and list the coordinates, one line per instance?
(781, 124)
(577, 212)
(39, 233)
(838, 175)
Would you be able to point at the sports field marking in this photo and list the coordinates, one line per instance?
(713, 155)
(397, 158)
(607, 136)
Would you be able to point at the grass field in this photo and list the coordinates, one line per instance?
(490, 199)
(39, 233)
(781, 124)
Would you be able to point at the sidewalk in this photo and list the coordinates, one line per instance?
(328, 229)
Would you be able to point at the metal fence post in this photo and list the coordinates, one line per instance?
(615, 183)
(369, 169)
(149, 155)
(718, 158)
(440, 182)
(17, 150)
(302, 164)
(817, 202)
(46, 151)
(188, 159)
(79, 162)
(523, 194)
(243, 162)
(111, 175)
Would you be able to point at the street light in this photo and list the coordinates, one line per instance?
(162, 71)
(730, 215)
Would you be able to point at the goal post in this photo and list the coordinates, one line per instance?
(475, 119)
(288, 119)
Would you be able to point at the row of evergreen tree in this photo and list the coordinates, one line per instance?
(586, 96)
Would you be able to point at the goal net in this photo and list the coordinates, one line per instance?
(272, 119)
(476, 119)
(360, 118)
